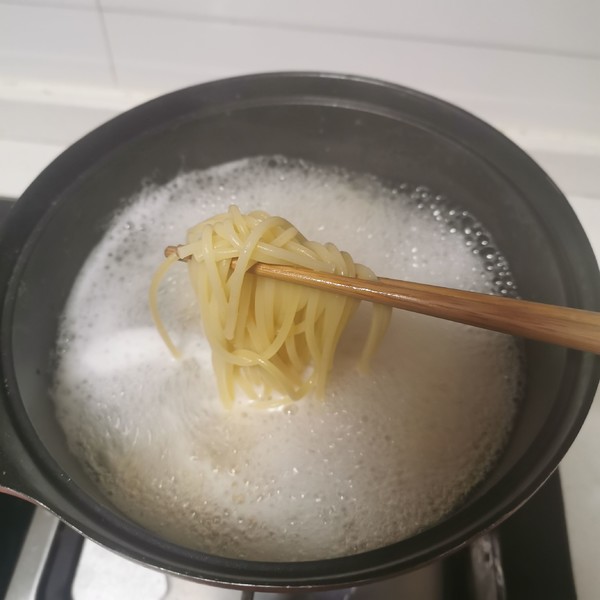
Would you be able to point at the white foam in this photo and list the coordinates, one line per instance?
(383, 457)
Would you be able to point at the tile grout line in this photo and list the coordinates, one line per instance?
(55, 4)
(347, 32)
(106, 37)
(307, 28)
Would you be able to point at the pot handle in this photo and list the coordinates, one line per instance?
(17, 470)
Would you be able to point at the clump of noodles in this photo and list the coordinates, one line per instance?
(274, 340)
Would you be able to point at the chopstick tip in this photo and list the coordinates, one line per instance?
(170, 250)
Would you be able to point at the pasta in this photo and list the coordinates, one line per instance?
(274, 341)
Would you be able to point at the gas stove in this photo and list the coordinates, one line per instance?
(526, 557)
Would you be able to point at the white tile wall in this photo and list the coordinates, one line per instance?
(49, 43)
(86, 4)
(529, 65)
(532, 69)
(154, 50)
(544, 25)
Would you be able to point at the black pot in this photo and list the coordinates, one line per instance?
(363, 125)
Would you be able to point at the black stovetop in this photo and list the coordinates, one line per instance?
(15, 514)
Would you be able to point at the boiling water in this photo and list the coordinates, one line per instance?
(386, 455)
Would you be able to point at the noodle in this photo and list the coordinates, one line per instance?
(276, 341)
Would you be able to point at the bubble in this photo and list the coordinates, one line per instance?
(314, 479)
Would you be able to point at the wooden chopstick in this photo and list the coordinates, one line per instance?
(569, 327)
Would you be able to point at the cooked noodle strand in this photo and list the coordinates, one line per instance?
(275, 341)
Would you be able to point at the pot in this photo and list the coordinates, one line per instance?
(363, 125)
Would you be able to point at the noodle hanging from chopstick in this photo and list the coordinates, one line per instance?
(274, 340)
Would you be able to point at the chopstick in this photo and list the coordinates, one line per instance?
(569, 327)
